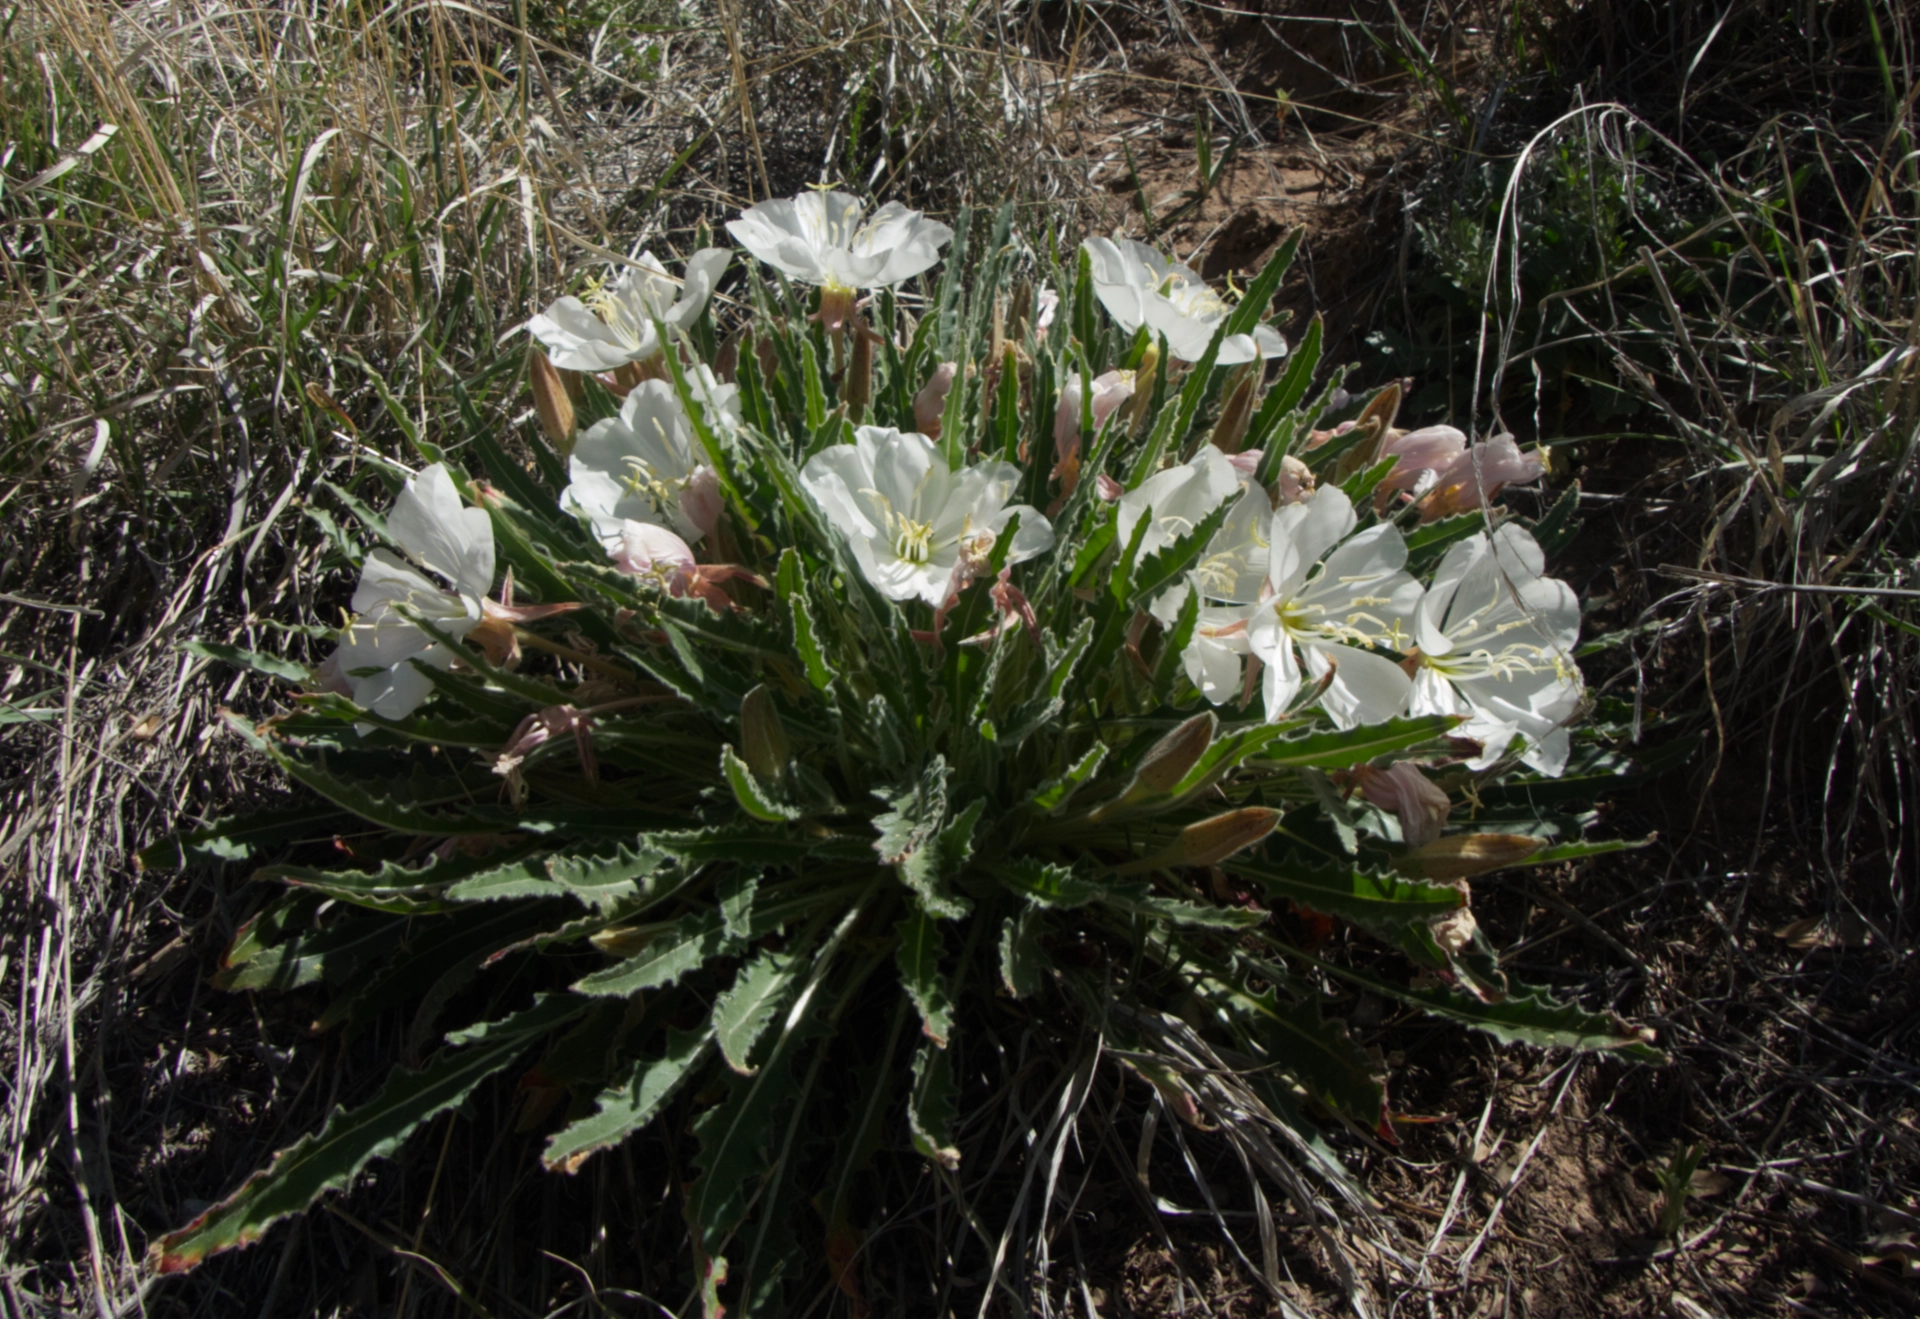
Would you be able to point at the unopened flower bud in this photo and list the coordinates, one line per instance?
(858, 390)
(931, 402)
(550, 401)
(1237, 412)
(1166, 762)
(1212, 840)
(1462, 856)
(763, 738)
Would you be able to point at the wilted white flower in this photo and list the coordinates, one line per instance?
(658, 556)
(1423, 454)
(1139, 287)
(1410, 796)
(614, 324)
(1109, 392)
(375, 662)
(1478, 473)
(1329, 596)
(827, 239)
(1496, 638)
(910, 520)
(645, 465)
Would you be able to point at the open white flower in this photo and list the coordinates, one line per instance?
(1175, 500)
(380, 646)
(1315, 622)
(645, 464)
(1139, 287)
(614, 324)
(1230, 577)
(910, 520)
(826, 238)
(1496, 640)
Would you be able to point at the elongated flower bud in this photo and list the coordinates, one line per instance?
(1237, 411)
(550, 401)
(763, 738)
(1167, 763)
(858, 391)
(1212, 840)
(1143, 388)
(1463, 856)
(931, 402)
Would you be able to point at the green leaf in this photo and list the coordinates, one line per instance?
(627, 1106)
(332, 953)
(926, 849)
(1055, 793)
(1534, 1018)
(1168, 565)
(931, 1108)
(1334, 749)
(753, 798)
(1334, 886)
(242, 837)
(328, 1161)
(1317, 1052)
(688, 944)
(1259, 295)
(1023, 961)
(742, 1014)
(930, 870)
(271, 666)
(1048, 885)
(602, 880)
(816, 393)
(1137, 898)
(919, 957)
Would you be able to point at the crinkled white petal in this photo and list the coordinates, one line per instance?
(1365, 689)
(826, 238)
(429, 522)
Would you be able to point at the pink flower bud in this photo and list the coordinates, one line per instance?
(931, 401)
(1108, 489)
(701, 500)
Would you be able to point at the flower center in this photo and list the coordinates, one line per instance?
(1196, 300)
(618, 316)
(912, 541)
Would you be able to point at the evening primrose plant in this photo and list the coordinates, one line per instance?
(782, 718)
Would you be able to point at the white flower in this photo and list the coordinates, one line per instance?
(1177, 499)
(1232, 569)
(614, 325)
(1230, 577)
(375, 661)
(645, 464)
(1496, 642)
(910, 520)
(1313, 623)
(1139, 287)
(825, 238)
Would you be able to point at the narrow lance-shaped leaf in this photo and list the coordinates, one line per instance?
(919, 957)
(742, 1014)
(329, 1160)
